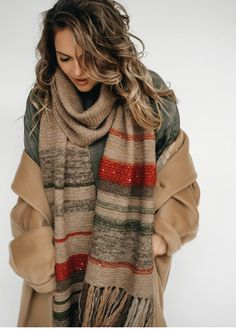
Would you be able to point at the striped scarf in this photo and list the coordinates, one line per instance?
(102, 236)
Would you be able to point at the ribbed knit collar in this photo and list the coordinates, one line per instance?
(82, 128)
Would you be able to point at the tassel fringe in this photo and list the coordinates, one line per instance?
(113, 307)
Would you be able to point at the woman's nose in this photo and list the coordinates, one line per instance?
(76, 70)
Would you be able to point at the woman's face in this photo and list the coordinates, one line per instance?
(68, 52)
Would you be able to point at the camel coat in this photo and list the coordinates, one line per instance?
(31, 252)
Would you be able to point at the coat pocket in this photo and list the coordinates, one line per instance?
(31, 256)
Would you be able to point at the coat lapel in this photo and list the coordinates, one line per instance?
(177, 173)
(28, 185)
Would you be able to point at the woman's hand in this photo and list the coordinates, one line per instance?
(159, 245)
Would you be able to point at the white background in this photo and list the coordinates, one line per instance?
(191, 44)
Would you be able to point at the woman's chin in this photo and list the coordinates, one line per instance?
(84, 86)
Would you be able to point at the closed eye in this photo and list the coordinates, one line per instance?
(64, 60)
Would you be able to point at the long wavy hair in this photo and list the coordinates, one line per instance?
(101, 28)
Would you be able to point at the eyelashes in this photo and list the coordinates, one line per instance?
(63, 60)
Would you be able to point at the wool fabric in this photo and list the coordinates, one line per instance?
(102, 236)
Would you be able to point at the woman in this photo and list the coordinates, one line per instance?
(102, 141)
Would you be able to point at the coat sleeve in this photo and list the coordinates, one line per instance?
(31, 252)
(177, 218)
(177, 221)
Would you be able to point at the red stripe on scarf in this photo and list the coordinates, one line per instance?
(74, 263)
(127, 174)
(127, 137)
(72, 234)
(120, 264)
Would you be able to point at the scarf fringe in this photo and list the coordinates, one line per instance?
(113, 307)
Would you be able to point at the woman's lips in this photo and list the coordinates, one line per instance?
(82, 82)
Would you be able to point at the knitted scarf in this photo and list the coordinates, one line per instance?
(102, 236)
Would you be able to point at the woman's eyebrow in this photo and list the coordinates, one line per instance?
(64, 54)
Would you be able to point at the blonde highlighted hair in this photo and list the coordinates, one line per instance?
(101, 28)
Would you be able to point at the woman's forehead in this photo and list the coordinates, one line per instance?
(66, 43)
